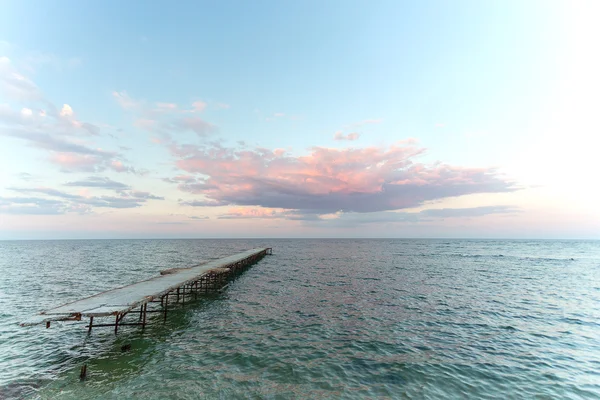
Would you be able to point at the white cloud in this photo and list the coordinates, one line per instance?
(125, 101)
(66, 111)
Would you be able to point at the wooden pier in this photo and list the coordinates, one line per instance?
(171, 286)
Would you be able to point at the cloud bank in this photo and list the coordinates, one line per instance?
(361, 180)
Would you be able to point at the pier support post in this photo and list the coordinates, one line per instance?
(166, 306)
(91, 324)
(144, 318)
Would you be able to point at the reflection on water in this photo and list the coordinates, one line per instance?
(319, 319)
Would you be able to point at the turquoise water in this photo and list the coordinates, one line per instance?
(415, 319)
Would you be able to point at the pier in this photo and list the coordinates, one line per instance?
(171, 286)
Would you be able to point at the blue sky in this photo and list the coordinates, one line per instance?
(497, 99)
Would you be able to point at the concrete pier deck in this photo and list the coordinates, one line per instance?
(180, 283)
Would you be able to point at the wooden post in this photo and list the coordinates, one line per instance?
(166, 305)
(116, 324)
(144, 319)
(90, 327)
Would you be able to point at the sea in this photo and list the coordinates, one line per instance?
(319, 319)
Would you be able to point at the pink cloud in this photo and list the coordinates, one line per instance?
(78, 162)
(198, 106)
(327, 180)
(118, 166)
(244, 212)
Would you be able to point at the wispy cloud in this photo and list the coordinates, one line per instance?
(145, 195)
(73, 202)
(31, 206)
(198, 106)
(351, 136)
(57, 131)
(350, 219)
(468, 212)
(15, 85)
(99, 182)
(352, 128)
(162, 118)
(126, 102)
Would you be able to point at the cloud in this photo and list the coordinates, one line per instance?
(353, 219)
(198, 106)
(198, 217)
(195, 124)
(351, 136)
(203, 203)
(37, 137)
(347, 220)
(79, 203)
(51, 129)
(99, 182)
(165, 107)
(468, 212)
(15, 85)
(31, 206)
(164, 118)
(118, 166)
(266, 213)
(180, 178)
(25, 176)
(244, 212)
(66, 111)
(126, 102)
(365, 122)
(327, 180)
(145, 195)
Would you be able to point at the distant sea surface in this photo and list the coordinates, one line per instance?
(320, 319)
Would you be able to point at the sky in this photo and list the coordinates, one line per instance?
(231, 119)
